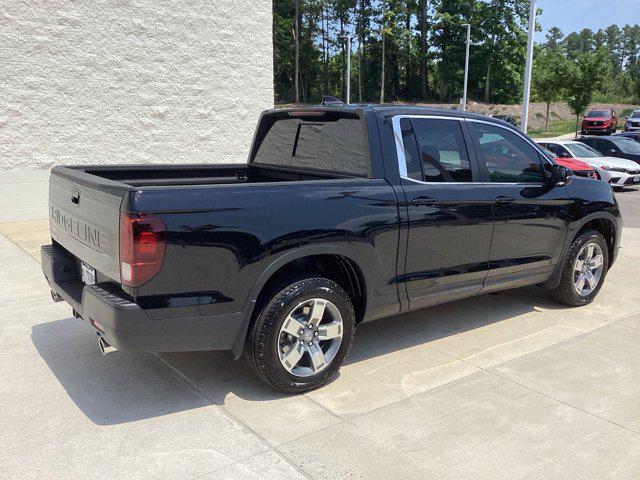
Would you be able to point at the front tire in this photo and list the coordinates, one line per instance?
(584, 269)
(302, 335)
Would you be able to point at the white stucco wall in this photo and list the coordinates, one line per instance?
(126, 81)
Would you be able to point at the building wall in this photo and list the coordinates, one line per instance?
(126, 81)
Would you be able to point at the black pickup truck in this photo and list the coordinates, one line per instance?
(342, 215)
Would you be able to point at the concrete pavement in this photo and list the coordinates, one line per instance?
(508, 385)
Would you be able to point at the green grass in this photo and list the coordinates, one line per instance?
(556, 128)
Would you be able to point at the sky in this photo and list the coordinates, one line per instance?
(574, 15)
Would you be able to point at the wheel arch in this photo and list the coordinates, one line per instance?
(603, 222)
(335, 262)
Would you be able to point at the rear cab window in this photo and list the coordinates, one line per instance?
(326, 141)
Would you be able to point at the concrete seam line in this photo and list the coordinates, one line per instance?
(563, 402)
(490, 372)
(231, 416)
(625, 326)
(322, 407)
(624, 317)
(6, 237)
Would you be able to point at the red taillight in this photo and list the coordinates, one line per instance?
(142, 242)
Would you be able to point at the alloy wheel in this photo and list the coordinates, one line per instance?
(310, 337)
(587, 269)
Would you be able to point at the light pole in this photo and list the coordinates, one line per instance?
(528, 67)
(348, 82)
(466, 67)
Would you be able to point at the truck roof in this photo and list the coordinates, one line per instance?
(384, 109)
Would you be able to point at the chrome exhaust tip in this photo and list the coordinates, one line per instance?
(104, 347)
(55, 297)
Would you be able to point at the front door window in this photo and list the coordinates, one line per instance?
(507, 157)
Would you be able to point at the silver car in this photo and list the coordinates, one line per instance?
(632, 123)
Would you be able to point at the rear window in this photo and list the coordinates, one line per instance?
(332, 142)
(628, 145)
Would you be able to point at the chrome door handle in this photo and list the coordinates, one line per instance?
(505, 199)
(424, 201)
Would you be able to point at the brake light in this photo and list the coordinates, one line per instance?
(142, 244)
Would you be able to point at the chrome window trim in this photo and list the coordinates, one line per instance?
(402, 161)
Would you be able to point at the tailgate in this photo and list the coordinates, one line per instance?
(86, 221)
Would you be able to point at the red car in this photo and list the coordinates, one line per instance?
(578, 167)
(602, 121)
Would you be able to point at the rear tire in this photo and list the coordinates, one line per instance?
(287, 346)
(584, 269)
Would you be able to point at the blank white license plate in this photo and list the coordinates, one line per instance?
(636, 179)
(88, 274)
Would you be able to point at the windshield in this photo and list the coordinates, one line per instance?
(628, 146)
(635, 114)
(598, 113)
(582, 150)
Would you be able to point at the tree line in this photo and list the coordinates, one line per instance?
(413, 50)
(586, 66)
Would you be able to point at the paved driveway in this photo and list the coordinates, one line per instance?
(507, 385)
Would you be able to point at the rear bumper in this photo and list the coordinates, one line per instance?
(124, 324)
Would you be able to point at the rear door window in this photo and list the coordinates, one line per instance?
(435, 150)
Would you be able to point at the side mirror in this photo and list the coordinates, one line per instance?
(612, 151)
(560, 176)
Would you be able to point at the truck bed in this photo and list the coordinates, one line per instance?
(184, 175)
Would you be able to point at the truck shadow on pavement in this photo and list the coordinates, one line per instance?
(126, 387)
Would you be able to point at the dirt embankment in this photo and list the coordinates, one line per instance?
(537, 111)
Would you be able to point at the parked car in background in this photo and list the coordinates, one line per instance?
(578, 167)
(600, 121)
(614, 146)
(634, 135)
(342, 215)
(618, 172)
(510, 119)
(632, 122)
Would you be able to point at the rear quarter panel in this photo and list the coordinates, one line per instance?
(221, 239)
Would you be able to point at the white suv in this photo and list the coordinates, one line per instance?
(618, 172)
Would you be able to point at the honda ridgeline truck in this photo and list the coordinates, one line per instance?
(342, 215)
